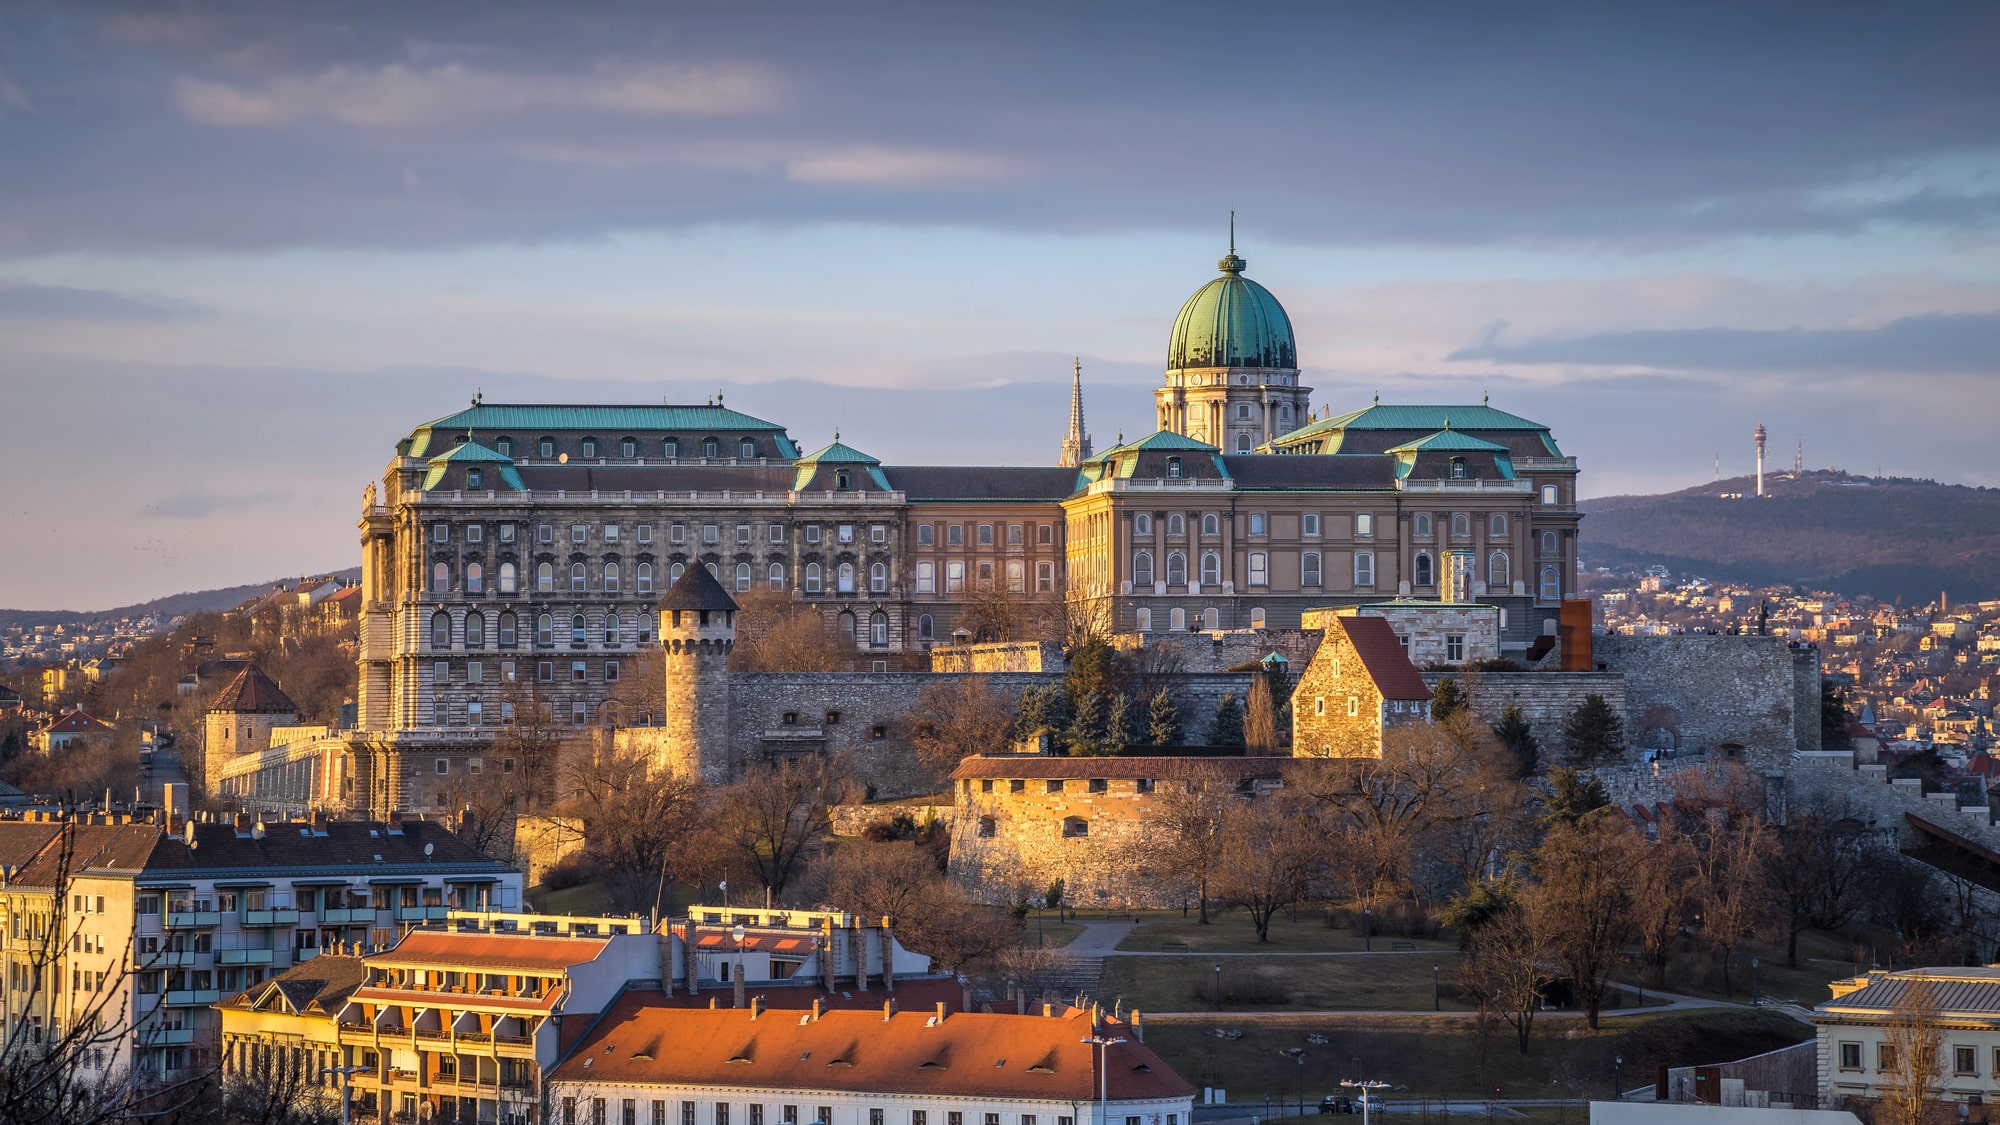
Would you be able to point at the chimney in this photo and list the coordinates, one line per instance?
(888, 1009)
(687, 956)
(1048, 1009)
(756, 1007)
(819, 1006)
(888, 956)
(943, 1010)
(737, 1001)
(964, 994)
(173, 799)
(857, 944)
(826, 953)
(1138, 1026)
(242, 823)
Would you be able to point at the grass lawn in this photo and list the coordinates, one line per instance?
(1044, 931)
(1822, 958)
(1232, 932)
(584, 898)
(1449, 1058)
(1399, 981)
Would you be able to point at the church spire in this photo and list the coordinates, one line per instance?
(1076, 444)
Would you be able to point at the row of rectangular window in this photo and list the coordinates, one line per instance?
(611, 533)
(984, 572)
(612, 577)
(983, 534)
(628, 1114)
(1964, 1060)
(475, 711)
(709, 448)
(475, 672)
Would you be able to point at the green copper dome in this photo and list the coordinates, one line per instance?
(1232, 322)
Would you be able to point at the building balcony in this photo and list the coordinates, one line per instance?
(348, 916)
(422, 913)
(169, 959)
(166, 1036)
(243, 956)
(192, 997)
(277, 916)
(193, 919)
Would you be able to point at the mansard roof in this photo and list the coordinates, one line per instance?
(974, 482)
(528, 420)
(816, 470)
(470, 454)
(1377, 428)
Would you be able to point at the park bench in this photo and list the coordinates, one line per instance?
(1173, 947)
(1402, 945)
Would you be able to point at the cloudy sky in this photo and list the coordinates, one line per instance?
(243, 248)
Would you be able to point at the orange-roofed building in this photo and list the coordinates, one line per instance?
(1359, 685)
(73, 727)
(651, 1064)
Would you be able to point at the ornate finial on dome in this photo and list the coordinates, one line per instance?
(1447, 421)
(1378, 398)
(836, 433)
(1482, 398)
(1230, 262)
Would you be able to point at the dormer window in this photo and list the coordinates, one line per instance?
(629, 447)
(505, 446)
(590, 447)
(1458, 468)
(746, 449)
(841, 481)
(670, 449)
(548, 447)
(474, 479)
(711, 448)
(1173, 468)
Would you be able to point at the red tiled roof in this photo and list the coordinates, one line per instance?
(1049, 766)
(524, 953)
(478, 1001)
(1382, 654)
(253, 691)
(78, 722)
(967, 1055)
(926, 992)
(780, 944)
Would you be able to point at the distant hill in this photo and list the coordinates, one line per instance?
(1885, 536)
(173, 605)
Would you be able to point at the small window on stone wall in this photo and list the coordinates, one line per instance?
(832, 718)
(1076, 826)
(1099, 785)
(1017, 785)
(986, 826)
(791, 718)
(878, 732)
(1055, 785)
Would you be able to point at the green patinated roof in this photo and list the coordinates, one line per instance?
(470, 454)
(1159, 439)
(1232, 322)
(839, 453)
(1323, 436)
(1448, 441)
(528, 421)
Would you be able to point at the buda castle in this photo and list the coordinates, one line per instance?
(511, 543)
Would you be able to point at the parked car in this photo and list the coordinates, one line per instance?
(1334, 1103)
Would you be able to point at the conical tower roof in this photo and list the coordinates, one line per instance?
(697, 589)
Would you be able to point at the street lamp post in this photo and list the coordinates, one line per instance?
(1437, 989)
(1218, 986)
(723, 887)
(1617, 1077)
(1365, 1085)
(345, 1072)
(1367, 937)
(1753, 980)
(738, 934)
(1104, 1044)
(1299, 1056)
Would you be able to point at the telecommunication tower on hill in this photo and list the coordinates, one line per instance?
(1760, 459)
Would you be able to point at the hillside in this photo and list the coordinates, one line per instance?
(173, 605)
(1889, 537)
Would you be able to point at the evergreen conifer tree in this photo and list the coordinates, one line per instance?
(1446, 699)
(1163, 721)
(1593, 731)
(1518, 737)
(1228, 728)
(1043, 708)
(1089, 731)
(1120, 720)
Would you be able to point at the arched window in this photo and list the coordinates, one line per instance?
(1142, 619)
(742, 577)
(611, 635)
(674, 573)
(1211, 569)
(746, 449)
(711, 448)
(1176, 569)
(878, 578)
(579, 632)
(1177, 619)
(611, 578)
(812, 578)
(508, 634)
(578, 579)
(1364, 568)
(878, 628)
(1142, 524)
(545, 578)
(440, 630)
(926, 628)
(1176, 524)
(1211, 525)
(846, 574)
(777, 576)
(1422, 573)
(441, 578)
(507, 578)
(1458, 468)
(475, 578)
(1461, 526)
(841, 480)
(545, 630)
(628, 447)
(1142, 568)
(1496, 525)
(1551, 584)
(670, 449)
(475, 630)
(1242, 443)
(1549, 542)
(645, 578)
(1211, 619)
(1496, 571)
(1420, 525)
(847, 626)
(1173, 468)
(548, 447)
(645, 627)
(1309, 569)
(717, 574)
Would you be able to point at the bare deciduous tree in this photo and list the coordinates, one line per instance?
(1507, 965)
(1914, 1042)
(1272, 850)
(776, 634)
(955, 718)
(1583, 903)
(1184, 826)
(773, 820)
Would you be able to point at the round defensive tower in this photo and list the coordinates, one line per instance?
(697, 630)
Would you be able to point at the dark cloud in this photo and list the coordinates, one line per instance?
(1941, 343)
(238, 126)
(20, 299)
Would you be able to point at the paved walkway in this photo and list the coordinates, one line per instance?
(1098, 939)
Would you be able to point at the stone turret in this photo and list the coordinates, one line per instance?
(697, 631)
(239, 721)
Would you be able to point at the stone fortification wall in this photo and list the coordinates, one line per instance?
(1428, 627)
(1545, 698)
(1701, 693)
(1011, 656)
(855, 820)
(1805, 697)
(541, 842)
(1221, 651)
